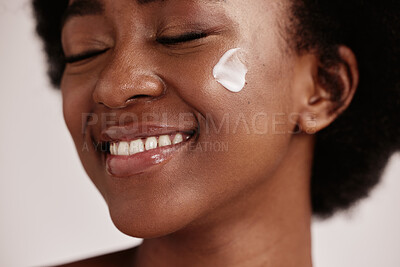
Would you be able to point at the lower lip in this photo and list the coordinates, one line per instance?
(128, 166)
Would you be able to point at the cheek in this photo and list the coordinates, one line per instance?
(77, 105)
(77, 101)
(244, 134)
(269, 83)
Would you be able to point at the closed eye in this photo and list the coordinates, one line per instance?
(83, 56)
(187, 37)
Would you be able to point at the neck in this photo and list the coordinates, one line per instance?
(270, 227)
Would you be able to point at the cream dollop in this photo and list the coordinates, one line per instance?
(230, 71)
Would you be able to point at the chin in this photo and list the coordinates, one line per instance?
(143, 221)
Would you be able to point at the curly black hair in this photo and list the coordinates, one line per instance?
(350, 154)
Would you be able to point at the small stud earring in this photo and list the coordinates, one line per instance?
(314, 99)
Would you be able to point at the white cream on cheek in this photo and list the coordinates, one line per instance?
(230, 71)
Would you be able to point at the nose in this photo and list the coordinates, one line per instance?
(123, 82)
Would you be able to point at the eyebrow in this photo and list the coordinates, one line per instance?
(82, 8)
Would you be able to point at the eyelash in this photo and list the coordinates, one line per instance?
(187, 37)
(83, 56)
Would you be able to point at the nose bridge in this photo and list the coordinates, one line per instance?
(129, 75)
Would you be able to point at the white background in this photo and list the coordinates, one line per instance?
(51, 213)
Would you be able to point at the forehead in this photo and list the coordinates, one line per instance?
(138, 2)
(97, 7)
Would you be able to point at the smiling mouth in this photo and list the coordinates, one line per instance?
(141, 145)
(134, 150)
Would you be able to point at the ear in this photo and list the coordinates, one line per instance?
(324, 91)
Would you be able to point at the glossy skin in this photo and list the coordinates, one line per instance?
(247, 206)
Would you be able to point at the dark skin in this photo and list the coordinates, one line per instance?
(248, 206)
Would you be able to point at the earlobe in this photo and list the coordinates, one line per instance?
(334, 86)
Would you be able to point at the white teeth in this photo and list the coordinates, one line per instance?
(126, 148)
(123, 149)
(112, 148)
(164, 140)
(136, 147)
(151, 143)
(115, 149)
(177, 139)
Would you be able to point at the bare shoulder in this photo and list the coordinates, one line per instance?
(118, 259)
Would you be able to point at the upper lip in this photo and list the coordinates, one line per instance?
(136, 130)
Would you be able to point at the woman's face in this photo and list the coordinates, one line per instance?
(139, 80)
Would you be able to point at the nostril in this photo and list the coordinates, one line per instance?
(137, 97)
